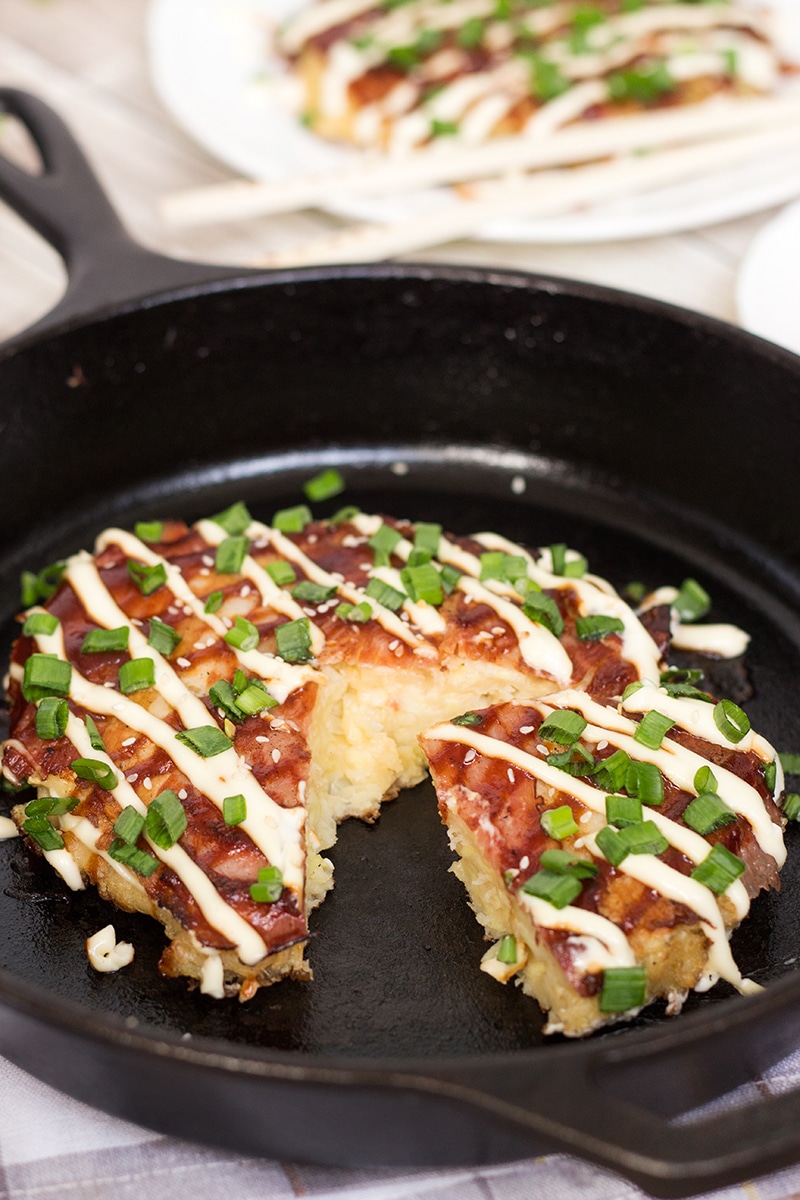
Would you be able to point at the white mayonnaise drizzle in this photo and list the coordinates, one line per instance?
(105, 953)
(676, 764)
(608, 941)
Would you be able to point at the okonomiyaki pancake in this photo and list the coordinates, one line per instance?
(199, 707)
(397, 76)
(609, 849)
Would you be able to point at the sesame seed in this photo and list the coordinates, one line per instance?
(207, 560)
(602, 745)
(312, 538)
(526, 729)
(399, 652)
(129, 741)
(518, 485)
(542, 750)
(511, 776)
(394, 644)
(498, 629)
(147, 781)
(524, 863)
(399, 468)
(132, 778)
(204, 571)
(470, 756)
(276, 755)
(261, 738)
(183, 662)
(182, 794)
(244, 590)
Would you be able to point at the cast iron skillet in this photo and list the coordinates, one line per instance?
(660, 442)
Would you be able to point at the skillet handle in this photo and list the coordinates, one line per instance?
(68, 207)
(615, 1102)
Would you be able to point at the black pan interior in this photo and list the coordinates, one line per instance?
(626, 432)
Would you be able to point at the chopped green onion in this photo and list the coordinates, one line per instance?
(234, 520)
(467, 718)
(43, 833)
(244, 635)
(470, 35)
(729, 719)
(269, 886)
(344, 514)
(609, 842)
(559, 890)
(136, 675)
(719, 870)
(162, 637)
(688, 690)
(542, 609)
(359, 613)
(166, 819)
(327, 484)
(507, 950)
(791, 805)
(576, 568)
(558, 557)
(559, 823)
(384, 594)
(427, 536)
(52, 714)
(707, 813)
(770, 775)
(102, 641)
(423, 583)
(129, 825)
(35, 588)
(213, 602)
(790, 762)
(45, 675)
(705, 780)
(147, 579)
(95, 740)
(231, 554)
(293, 641)
(255, 699)
(623, 988)
(234, 809)
(692, 601)
(643, 85)
(449, 576)
(313, 593)
(40, 624)
(632, 688)
(623, 810)
(644, 837)
(205, 740)
(131, 856)
(50, 806)
(612, 771)
(563, 727)
(240, 681)
(292, 520)
(383, 542)
(547, 82)
(223, 696)
(565, 863)
(505, 567)
(644, 780)
(281, 572)
(651, 729)
(95, 771)
(575, 760)
(149, 531)
(594, 628)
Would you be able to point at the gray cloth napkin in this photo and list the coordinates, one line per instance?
(55, 1148)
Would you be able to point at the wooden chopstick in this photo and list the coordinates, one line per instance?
(545, 194)
(444, 163)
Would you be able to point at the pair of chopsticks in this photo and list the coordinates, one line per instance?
(673, 145)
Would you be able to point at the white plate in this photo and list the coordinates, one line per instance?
(768, 287)
(211, 69)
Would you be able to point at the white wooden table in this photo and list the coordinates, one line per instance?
(88, 59)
